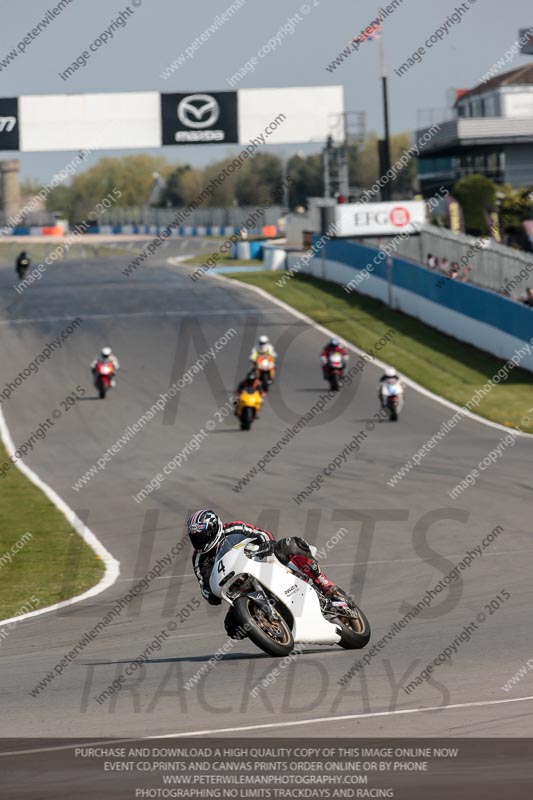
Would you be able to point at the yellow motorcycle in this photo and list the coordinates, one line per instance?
(249, 406)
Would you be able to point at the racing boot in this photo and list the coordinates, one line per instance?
(310, 568)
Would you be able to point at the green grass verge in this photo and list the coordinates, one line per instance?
(438, 362)
(54, 564)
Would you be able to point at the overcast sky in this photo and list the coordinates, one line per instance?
(160, 30)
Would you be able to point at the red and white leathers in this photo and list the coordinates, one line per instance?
(112, 358)
(332, 348)
(291, 549)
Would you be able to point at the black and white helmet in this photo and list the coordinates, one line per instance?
(106, 352)
(262, 343)
(205, 530)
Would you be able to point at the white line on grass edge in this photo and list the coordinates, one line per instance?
(112, 566)
(416, 386)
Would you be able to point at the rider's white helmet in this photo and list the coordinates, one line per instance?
(262, 342)
(106, 352)
(390, 372)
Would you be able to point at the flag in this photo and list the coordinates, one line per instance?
(455, 215)
(492, 218)
(371, 34)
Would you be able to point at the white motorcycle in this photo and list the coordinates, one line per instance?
(276, 607)
(392, 398)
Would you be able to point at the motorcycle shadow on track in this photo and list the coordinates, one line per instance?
(203, 659)
(81, 399)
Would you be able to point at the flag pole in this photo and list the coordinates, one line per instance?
(386, 156)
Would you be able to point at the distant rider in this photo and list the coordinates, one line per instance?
(207, 533)
(263, 347)
(333, 346)
(105, 357)
(251, 381)
(389, 376)
(22, 264)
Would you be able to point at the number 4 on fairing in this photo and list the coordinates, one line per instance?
(221, 567)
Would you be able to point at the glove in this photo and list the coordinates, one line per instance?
(265, 549)
(211, 598)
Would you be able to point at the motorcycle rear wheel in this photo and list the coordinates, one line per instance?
(255, 622)
(354, 633)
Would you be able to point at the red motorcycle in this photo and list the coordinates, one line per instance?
(104, 372)
(335, 370)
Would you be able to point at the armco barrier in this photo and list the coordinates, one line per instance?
(186, 230)
(477, 316)
(214, 230)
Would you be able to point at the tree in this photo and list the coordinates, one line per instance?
(223, 195)
(515, 207)
(475, 193)
(174, 194)
(257, 179)
(307, 179)
(192, 185)
(363, 164)
(131, 175)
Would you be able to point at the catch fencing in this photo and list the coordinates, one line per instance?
(493, 266)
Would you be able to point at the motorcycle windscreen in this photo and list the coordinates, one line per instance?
(230, 542)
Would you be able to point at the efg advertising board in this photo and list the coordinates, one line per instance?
(378, 219)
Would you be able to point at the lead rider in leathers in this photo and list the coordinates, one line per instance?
(207, 532)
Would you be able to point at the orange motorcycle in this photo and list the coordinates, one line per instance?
(265, 369)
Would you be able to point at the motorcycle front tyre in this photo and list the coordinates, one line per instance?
(245, 609)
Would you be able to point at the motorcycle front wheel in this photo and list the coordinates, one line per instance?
(247, 416)
(271, 636)
(334, 382)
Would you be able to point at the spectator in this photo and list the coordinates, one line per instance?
(528, 300)
(444, 265)
(464, 276)
(431, 263)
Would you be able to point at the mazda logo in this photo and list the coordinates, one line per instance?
(198, 111)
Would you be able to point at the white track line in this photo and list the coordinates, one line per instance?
(112, 566)
(416, 386)
(265, 726)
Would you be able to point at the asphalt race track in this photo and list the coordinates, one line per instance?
(399, 543)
